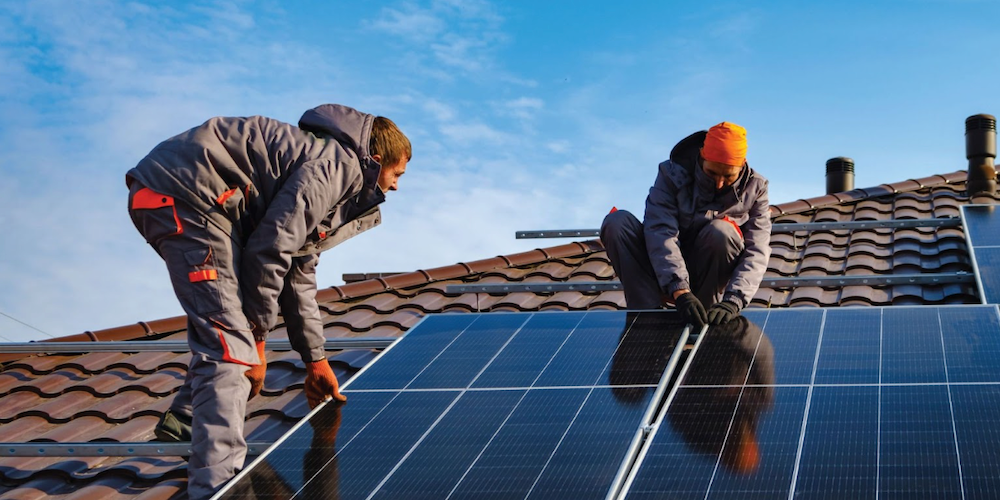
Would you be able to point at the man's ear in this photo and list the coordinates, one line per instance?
(377, 158)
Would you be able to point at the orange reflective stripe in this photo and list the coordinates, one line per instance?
(731, 221)
(225, 196)
(146, 198)
(206, 275)
(225, 351)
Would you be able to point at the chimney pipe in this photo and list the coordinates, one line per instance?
(981, 150)
(839, 175)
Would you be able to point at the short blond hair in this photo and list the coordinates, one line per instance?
(389, 142)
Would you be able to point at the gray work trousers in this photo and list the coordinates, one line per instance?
(710, 258)
(203, 263)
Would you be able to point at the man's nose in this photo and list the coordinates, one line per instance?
(719, 183)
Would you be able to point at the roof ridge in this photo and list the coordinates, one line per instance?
(855, 195)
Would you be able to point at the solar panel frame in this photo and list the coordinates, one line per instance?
(349, 387)
(969, 393)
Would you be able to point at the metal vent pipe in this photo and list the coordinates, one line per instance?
(981, 151)
(839, 175)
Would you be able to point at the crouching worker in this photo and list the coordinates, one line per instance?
(239, 209)
(705, 240)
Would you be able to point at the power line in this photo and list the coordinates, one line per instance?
(27, 325)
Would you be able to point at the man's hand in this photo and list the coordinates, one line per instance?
(723, 312)
(256, 373)
(692, 309)
(321, 383)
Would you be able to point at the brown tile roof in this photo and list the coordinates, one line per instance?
(120, 396)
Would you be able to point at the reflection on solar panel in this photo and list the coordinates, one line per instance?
(897, 402)
(544, 405)
(982, 230)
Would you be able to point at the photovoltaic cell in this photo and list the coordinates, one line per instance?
(897, 402)
(550, 401)
(982, 224)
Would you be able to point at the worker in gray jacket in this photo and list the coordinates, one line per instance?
(705, 239)
(239, 209)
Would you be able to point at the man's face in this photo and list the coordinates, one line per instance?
(388, 177)
(723, 175)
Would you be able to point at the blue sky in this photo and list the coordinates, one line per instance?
(523, 115)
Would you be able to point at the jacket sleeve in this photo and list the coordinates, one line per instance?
(661, 230)
(300, 311)
(305, 198)
(752, 264)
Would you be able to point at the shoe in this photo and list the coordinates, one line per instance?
(173, 428)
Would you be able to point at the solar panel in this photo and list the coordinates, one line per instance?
(898, 402)
(512, 405)
(982, 230)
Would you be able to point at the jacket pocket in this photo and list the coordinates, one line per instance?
(203, 279)
(235, 344)
(154, 215)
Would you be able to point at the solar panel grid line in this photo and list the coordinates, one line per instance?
(736, 407)
(247, 470)
(972, 253)
(805, 414)
(556, 449)
(263, 456)
(620, 492)
(409, 452)
(507, 418)
(951, 407)
(878, 439)
(644, 433)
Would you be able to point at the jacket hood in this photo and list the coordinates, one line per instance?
(686, 152)
(346, 125)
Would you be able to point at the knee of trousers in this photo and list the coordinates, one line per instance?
(619, 226)
(719, 238)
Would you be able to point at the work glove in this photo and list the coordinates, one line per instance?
(692, 309)
(723, 312)
(256, 373)
(321, 383)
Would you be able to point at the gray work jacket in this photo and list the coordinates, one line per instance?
(682, 200)
(284, 193)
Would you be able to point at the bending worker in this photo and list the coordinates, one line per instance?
(705, 240)
(239, 209)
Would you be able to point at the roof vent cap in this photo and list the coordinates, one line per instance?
(981, 150)
(839, 175)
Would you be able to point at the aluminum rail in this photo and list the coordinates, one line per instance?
(820, 281)
(783, 227)
(109, 449)
(175, 346)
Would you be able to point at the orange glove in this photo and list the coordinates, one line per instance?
(256, 373)
(321, 383)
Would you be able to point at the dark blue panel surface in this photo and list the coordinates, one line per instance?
(850, 350)
(759, 457)
(840, 450)
(795, 335)
(523, 359)
(437, 465)
(585, 356)
(411, 354)
(988, 261)
(587, 460)
(971, 343)
(459, 363)
(515, 458)
(918, 452)
(911, 346)
(977, 422)
(983, 225)
(727, 353)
